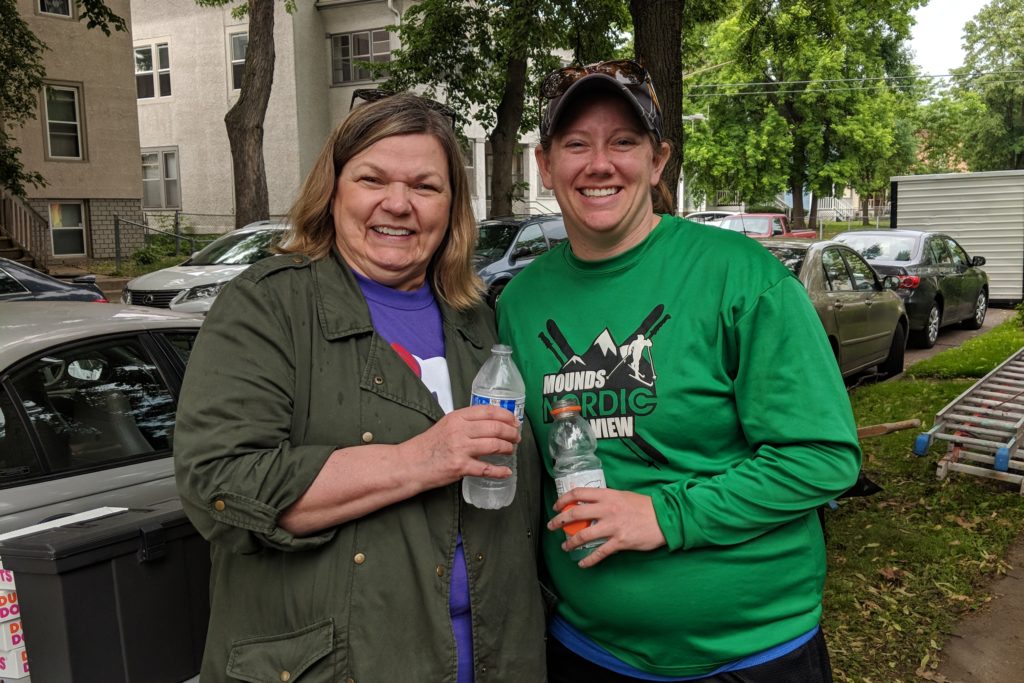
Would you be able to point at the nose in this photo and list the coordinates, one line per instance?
(600, 162)
(396, 199)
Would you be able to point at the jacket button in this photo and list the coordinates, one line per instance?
(367, 437)
(480, 557)
(219, 505)
(285, 676)
(350, 680)
(359, 558)
(378, 380)
(440, 570)
(295, 259)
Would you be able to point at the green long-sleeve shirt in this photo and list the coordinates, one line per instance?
(704, 370)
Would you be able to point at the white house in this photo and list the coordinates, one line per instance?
(189, 60)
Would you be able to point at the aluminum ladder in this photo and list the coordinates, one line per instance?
(984, 426)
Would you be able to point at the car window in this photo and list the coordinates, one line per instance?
(939, 251)
(791, 257)
(880, 247)
(957, 252)
(756, 225)
(17, 458)
(182, 343)
(8, 285)
(238, 249)
(493, 240)
(836, 275)
(98, 404)
(532, 240)
(555, 232)
(776, 226)
(863, 276)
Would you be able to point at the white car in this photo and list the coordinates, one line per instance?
(192, 286)
(709, 217)
(87, 402)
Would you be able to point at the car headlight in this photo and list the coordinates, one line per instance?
(201, 292)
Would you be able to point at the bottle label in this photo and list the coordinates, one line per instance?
(587, 479)
(516, 406)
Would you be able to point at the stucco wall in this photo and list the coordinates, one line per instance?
(192, 118)
(102, 67)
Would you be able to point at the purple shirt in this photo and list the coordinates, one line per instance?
(411, 323)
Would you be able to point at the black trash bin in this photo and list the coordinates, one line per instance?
(123, 598)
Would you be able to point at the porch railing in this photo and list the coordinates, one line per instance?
(28, 229)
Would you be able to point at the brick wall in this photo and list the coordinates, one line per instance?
(99, 223)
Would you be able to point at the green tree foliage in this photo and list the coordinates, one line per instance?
(992, 71)
(21, 62)
(481, 58)
(789, 102)
(943, 125)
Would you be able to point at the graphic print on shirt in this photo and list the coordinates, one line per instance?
(613, 379)
(433, 372)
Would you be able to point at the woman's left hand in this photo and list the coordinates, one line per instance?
(625, 518)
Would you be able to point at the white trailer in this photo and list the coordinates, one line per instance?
(984, 212)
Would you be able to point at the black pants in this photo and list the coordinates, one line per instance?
(806, 664)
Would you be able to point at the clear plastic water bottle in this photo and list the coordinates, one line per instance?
(498, 384)
(572, 444)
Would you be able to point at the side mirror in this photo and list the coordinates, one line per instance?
(519, 253)
(890, 282)
(978, 261)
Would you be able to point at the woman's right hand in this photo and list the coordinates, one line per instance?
(452, 447)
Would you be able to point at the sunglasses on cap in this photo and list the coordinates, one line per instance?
(625, 71)
(376, 94)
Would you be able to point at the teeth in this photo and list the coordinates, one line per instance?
(599, 192)
(392, 232)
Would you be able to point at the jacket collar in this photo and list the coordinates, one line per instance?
(343, 311)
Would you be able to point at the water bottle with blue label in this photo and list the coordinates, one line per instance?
(498, 384)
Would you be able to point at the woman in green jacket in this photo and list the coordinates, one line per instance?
(323, 432)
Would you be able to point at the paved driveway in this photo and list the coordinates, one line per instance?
(950, 337)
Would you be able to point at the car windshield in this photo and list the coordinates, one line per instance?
(791, 257)
(759, 225)
(494, 240)
(897, 248)
(237, 249)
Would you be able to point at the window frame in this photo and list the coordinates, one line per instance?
(162, 153)
(46, 13)
(5, 276)
(235, 62)
(78, 122)
(338, 63)
(156, 72)
(81, 227)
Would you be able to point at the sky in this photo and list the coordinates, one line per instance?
(938, 34)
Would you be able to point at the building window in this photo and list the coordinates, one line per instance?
(362, 46)
(469, 160)
(239, 46)
(67, 228)
(59, 7)
(150, 81)
(63, 122)
(160, 187)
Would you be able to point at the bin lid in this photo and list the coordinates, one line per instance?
(64, 548)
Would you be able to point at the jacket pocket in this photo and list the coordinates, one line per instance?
(285, 657)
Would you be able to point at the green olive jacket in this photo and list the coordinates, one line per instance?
(287, 369)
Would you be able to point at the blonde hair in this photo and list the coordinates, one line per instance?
(312, 232)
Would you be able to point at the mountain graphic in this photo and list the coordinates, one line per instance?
(606, 343)
(603, 354)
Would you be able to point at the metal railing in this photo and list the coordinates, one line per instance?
(149, 232)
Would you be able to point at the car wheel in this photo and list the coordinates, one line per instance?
(980, 309)
(893, 364)
(927, 337)
(494, 293)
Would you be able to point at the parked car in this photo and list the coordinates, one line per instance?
(507, 245)
(863, 317)
(940, 284)
(87, 402)
(18, 282)
(192, 286)
(764, 226)
(709, 217)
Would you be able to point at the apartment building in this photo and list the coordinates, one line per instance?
(84, 139)
(189, 61)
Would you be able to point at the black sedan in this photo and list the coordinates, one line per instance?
(18, 282)
(940, 283)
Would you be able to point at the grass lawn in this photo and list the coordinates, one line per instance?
(905, 564)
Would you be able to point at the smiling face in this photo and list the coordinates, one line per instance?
(391, 208)
(602, 165)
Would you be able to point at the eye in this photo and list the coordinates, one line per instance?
(370, 180)
(427, 187)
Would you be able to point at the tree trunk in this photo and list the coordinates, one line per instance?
(657, 29)
(796, 218)
(505, 136)
(812, 218)
(244, 121)
(864, 207)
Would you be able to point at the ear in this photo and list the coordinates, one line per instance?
(542, 166)
(661, 154)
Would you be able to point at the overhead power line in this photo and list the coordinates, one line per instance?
(855, 80)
